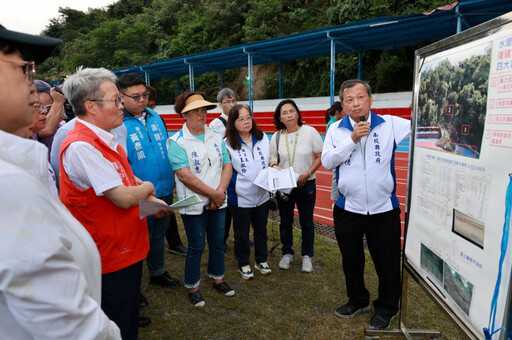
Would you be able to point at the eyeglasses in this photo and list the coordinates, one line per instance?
(290, 112)
(244, 119)
(41, 108)
(48, 107)
(117, 100)
(28, 68)
(229, 102)
(145, 95)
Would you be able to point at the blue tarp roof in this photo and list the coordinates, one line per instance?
(382, 33)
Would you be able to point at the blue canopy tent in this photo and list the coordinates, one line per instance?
(382, 33)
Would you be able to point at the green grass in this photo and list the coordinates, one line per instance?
(286, 304)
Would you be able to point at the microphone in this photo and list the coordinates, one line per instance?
(362, 118)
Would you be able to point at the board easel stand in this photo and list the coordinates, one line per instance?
(402, 330)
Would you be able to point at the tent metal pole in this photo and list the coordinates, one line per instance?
(333, 69)
(360, 72)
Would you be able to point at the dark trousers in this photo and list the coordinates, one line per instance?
(172, 235)
(242, 220)
(227, 225)
(383, 238)
(305, 198)
(120, 292)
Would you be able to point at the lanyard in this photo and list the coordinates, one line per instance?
(292, 159)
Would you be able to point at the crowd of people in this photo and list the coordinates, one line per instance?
(71, 186)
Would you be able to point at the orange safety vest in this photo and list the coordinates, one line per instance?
(120, 235)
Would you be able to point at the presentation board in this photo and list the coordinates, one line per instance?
(461, 160)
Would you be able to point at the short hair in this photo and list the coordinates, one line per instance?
(84, 85)
(336, 106)
(277, 114)
(152, 92)
(353, 82)
(180, 101)
(226, 93)
(9, 47)
(232, 134)
(130, 79)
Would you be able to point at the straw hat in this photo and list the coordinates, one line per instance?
(196, 101)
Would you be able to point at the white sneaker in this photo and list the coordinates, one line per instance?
(263, 268)
(307, 266)
(246, 272)
(285, 261)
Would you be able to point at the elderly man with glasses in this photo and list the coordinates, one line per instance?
(53, 102)
(50, 270)
(99, 188)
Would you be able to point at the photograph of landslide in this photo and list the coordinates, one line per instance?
(453, 99)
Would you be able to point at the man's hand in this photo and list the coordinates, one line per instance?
(360, 130)
(58, 98)
(160, 213)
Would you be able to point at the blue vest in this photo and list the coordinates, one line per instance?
(147, 151)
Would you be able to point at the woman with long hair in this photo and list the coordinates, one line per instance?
(248, 203)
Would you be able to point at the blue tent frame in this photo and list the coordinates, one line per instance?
(382, 33)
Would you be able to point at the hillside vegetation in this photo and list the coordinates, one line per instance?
(130, 32)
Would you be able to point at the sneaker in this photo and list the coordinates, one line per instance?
(349, 310)
(285, 261)
(263, 268)
(178, 250)
(307, 266)
(379, 321)
(224, 288)
(246, 272)
(196, 299)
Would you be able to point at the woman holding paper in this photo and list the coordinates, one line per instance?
(299, 146)
(248, 203)
(201, 166)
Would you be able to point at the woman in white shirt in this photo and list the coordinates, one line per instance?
(299, 146)
(248, 203)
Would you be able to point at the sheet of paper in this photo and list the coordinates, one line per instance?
(147, 208)
(272, 180)
(281, 179)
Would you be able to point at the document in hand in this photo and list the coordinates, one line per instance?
(272, 179)
(147, 208)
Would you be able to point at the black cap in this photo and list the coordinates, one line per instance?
(32, 47)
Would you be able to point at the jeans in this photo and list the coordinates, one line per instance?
(172, 235)
(383, 238)
(157, 228)
(242, 220)
(210, 224)
(305, 198)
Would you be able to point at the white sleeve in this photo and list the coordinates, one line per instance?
(337, 149)
(401, 128)
(86, 167)
(121, 135)
(273, 149)
(217, 125)
(317, 141)
(43, 290)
